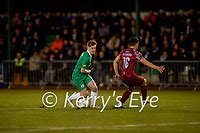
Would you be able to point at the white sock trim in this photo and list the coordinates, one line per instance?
(73, 97)
(93, 95)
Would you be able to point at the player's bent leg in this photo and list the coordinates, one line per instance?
(77, 95)
(94, 90)
(81, 87)
(84, 92)
(125, 95)
(92, 85)
(144, 89)
(124, 98)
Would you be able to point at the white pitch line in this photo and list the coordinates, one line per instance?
(112, 127)
(22, 109)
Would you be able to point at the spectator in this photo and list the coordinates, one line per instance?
(40, 29)
(154, 52)
(19, 68)
(112, 45)
(103, 30)
(57, 43)
(34, 68)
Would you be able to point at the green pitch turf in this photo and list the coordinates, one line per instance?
(177, 111)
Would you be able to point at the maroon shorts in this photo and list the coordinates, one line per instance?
(133, 80)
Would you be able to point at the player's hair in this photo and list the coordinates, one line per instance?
(133, 41)
(91, 43)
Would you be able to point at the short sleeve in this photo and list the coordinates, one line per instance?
(85, 62)
(138, 55)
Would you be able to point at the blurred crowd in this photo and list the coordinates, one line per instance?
(50, 36)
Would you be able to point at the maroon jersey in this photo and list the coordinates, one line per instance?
(129, 58)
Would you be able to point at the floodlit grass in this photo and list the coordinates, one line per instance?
(177, 111)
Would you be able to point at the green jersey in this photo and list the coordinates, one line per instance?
(84, 61)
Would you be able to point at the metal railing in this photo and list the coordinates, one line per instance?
(59, 73)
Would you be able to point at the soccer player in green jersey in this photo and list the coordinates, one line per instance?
(80, 76)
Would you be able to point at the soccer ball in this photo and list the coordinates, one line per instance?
(81, 103)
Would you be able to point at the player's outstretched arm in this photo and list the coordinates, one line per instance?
(115, 65)
(151, 65)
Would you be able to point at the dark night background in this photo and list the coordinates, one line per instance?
(102, 5)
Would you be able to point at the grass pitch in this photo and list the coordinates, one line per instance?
(177, 111)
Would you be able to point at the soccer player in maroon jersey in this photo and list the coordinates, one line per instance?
(129, 57)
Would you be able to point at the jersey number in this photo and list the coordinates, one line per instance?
(126, 62)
